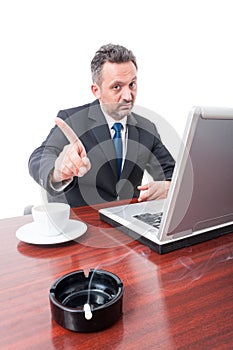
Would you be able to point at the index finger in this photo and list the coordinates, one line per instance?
(66, 129)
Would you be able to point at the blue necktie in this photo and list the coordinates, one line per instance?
(118, 145)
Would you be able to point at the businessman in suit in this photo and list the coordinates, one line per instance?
(98, 152)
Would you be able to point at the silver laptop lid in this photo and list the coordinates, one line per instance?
(201, 193)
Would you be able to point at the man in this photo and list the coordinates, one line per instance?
(78, 162)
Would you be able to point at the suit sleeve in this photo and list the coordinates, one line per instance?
(161, 163)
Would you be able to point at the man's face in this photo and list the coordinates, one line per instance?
(118, 89)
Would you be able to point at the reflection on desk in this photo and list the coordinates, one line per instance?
(181, 300)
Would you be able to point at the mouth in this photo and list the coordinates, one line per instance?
(127, 105)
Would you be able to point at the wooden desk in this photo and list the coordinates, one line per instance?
(181, 300)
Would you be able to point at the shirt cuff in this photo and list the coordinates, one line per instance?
(59, 186)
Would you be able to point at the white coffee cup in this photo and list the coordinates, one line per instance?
(51, 218)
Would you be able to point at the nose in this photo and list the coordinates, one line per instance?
(126, 94)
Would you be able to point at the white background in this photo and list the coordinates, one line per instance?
(184, 53)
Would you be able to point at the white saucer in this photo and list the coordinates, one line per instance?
(30, 233)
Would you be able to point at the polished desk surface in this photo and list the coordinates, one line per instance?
(180, 300)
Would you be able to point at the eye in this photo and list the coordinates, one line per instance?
(133, 85)
(116, 87)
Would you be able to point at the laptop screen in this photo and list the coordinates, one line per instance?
(202, 192)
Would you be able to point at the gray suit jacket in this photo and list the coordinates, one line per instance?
(144, 151)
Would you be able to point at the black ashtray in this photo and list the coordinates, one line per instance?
(86, 303)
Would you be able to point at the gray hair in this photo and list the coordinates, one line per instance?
(110, 53)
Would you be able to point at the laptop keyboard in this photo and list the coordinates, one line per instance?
(151, 219)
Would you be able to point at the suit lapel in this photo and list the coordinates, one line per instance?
(100, 131)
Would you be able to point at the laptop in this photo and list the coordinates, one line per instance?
(199, 205)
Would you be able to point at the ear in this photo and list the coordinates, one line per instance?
(95, 90)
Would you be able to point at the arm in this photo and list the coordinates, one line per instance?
(160, 167)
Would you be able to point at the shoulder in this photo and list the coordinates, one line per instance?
(142, 122)
(66, 113)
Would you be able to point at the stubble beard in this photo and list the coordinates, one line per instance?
(119, 113)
